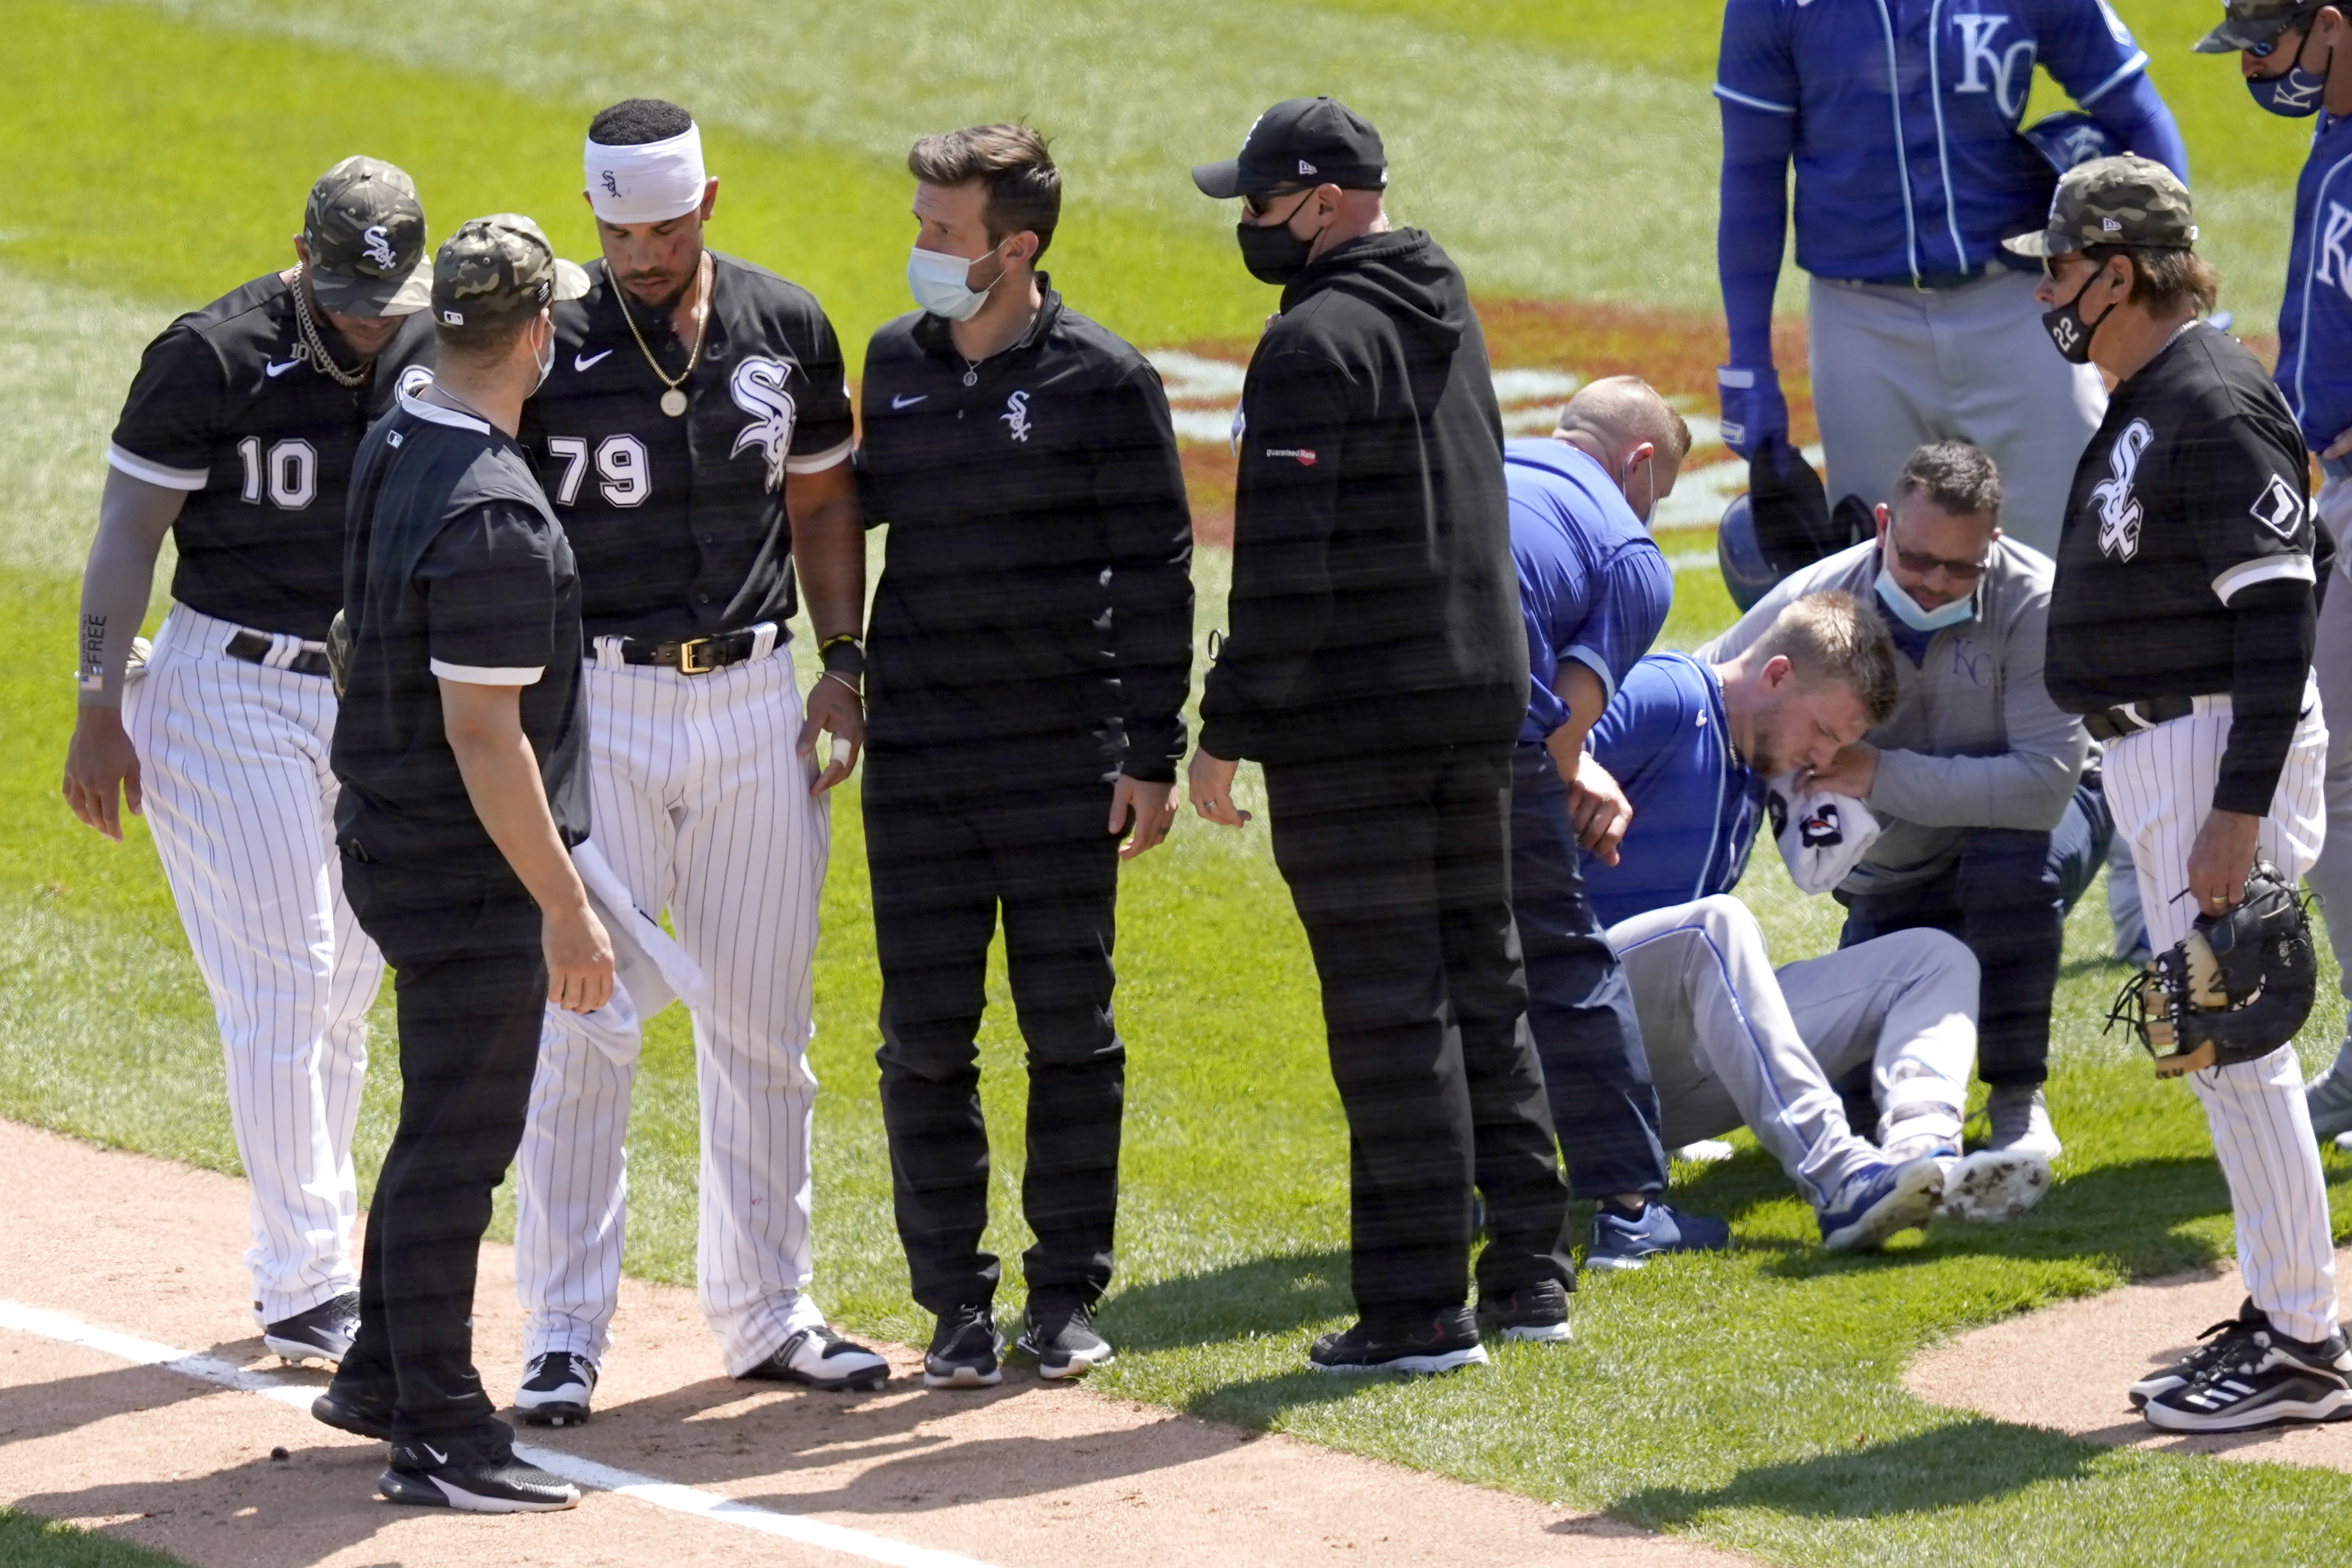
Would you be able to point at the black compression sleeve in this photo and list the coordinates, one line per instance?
(2274, 624)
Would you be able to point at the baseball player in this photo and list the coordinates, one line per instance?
(1902, 118)
(2296, 55)
(238, 437)
(694, 439)
(2180, 628)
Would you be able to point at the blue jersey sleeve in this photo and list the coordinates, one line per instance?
(1553, 594)
(2134, 115)
(1757, 90)
(1642, 718)
(2087, 50)
(1625, 615)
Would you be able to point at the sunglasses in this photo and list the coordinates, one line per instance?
(1919, 563)
(1259, 205)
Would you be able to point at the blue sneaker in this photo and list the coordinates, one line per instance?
(1880, 1200)
(1620, 1243)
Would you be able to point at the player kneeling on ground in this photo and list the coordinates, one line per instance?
(2181, 628)
(1726, 1040)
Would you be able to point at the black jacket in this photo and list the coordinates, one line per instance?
(1374, 603)
(1036, 608)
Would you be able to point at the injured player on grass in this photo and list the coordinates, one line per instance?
(1732, 1042)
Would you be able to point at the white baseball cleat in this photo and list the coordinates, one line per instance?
(1993, 1185)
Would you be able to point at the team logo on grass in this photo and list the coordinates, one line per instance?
(758, 388)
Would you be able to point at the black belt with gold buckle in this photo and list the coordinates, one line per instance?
(2114, 724)
(694, 655)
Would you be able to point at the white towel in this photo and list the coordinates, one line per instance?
(1821, 834)
(649, 969)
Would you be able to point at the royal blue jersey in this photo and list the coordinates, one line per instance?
(1592, 586)
(1664, 739)
(2315, 363)
(1901, 117)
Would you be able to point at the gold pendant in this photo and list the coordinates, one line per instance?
(672, 403)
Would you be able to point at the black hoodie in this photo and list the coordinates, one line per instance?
(1374, 603)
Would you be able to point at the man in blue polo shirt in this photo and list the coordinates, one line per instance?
(1594, 592)
(1902, 118)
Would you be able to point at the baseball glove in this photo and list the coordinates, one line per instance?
(2238, 986)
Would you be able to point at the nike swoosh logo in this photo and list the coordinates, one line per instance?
(582, 362)
(908, 401)
(438, 1456)
(278, 370)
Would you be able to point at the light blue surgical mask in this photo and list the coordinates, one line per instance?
(1625, 483)
(1911, 614)
(937, 281)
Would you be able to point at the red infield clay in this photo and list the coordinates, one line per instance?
(1024, 1475)
(2066, 1369)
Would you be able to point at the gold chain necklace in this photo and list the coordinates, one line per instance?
(673, 401)
(317, 344)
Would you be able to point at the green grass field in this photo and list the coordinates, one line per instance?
(157, 155)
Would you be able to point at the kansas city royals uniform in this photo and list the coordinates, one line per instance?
(1901, 117)
(700, 805)
(2179, 626)
(233, 718)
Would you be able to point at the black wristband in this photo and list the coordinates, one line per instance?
(845, 656)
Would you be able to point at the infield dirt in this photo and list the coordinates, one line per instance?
(1026, 1474)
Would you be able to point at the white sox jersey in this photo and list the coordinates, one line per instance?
(229, 407)
(701, 808)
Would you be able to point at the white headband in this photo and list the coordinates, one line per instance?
(652, 182)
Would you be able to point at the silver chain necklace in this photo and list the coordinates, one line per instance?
(320, 360)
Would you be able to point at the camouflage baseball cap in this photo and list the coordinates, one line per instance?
(2123, 200)
(498, 270)
(2250, 24)
(364, 229)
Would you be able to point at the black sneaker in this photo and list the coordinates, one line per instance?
(2262, 1378)
(555, 1389)
(476, 1471)
(2220, 1341)
(1441, 1341)
(963, 1351)
(1538, 1313)
(322, 1333)
(819, 1358)
(350, 1410)
(1060, 1332)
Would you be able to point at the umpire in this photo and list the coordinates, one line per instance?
(459, 748)
(2181, 627)
(1378, 669)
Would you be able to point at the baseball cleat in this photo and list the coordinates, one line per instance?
(1538, 1314)
(1620, 1242)
(2328, 1097)
(2220, 1342)
(816, 1357)
(1879, 1201)
(322, 1333)
(2019, 1117)
(1444, 1341)
(964, 1351)
(2259, 1378)
(555, 1389)
(348, 1410)
(1060, 1333)
(475, 1471)
(1993, 1185)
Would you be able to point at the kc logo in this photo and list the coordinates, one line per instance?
(758, 388)
(2334, 269)
(2120, 513)
(2010, 68)
(1016, 415)
(379, 246)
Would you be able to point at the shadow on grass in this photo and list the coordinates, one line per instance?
(1260, 1296)
(1953, 1466)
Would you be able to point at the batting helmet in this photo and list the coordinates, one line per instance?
(2238, 986)
(1745, 573)
(2069, 137)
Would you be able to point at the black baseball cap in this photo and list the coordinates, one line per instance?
(1298, 143)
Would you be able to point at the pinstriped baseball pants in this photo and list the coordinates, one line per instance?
(701, 808)
(2158, 782)
(233, 757)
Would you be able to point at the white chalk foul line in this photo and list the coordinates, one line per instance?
(583, 1472)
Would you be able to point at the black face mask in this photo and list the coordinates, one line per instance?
(2068, 331)
(1271, 252)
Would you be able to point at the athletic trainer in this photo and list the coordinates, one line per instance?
(460, 752)
(1032, 652)
(1376, 667)
(1902, 120)
(1972, 770)
(1593, 591)
(238, 438)
(2180, 628)
(2296, 57)
(695, 438)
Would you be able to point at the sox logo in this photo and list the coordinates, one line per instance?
(758, 388)
(2119, 511)
(1016, 415)
(379, 246)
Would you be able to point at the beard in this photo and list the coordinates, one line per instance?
(659, 316)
